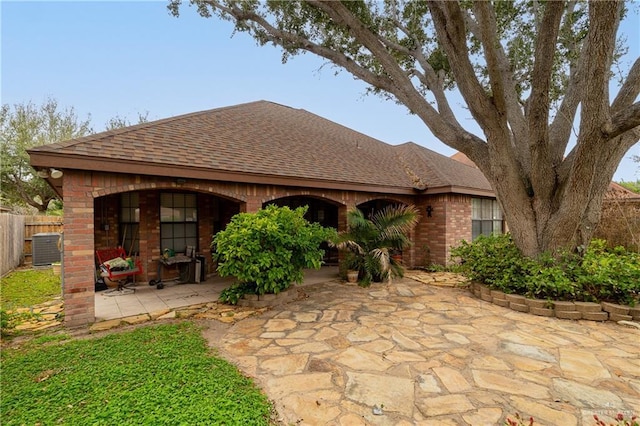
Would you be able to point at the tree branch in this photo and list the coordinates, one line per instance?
(290, 40)
(630, 89)
(603, 23)
(562, 124)
(449, 23)
(625, 120)
(449, 132)
(428, 77)
(543, 164)
(503, 87)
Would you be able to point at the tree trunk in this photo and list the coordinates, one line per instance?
(563, 220)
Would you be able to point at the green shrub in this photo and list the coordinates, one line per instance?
(495, 261)
(233, 293)
(601, 274)
(611, 274)
(267, 251)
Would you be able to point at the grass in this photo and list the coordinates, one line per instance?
(25, 288)
(158, 375)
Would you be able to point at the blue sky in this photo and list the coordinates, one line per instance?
(122, 58)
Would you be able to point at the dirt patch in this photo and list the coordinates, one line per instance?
(213, 331)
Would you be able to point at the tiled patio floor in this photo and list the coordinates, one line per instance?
(146, 299)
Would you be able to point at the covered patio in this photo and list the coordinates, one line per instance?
(141, 298)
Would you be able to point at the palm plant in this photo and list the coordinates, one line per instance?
(370, 242)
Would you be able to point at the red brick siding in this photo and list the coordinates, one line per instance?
(79, 273)
(450, 222)
(218, 202)
(458, 221)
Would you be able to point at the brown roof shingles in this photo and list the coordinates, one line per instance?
(267, 139)
(437, 170)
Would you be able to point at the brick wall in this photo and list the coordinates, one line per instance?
(458, 221)
(91, 201)
(450, 222)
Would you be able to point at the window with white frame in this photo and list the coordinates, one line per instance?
(178, 221)
(486, 217)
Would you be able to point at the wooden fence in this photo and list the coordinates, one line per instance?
(16, 234)
(12, 240)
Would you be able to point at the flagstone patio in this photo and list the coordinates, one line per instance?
(418, 351)
(410, 353)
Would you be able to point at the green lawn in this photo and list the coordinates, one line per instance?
(25, 288)
(154, 375)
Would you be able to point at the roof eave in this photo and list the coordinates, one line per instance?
(480, 192)
(84, 163)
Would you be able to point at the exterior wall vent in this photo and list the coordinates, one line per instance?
(44, 247)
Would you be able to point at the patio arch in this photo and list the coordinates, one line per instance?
(374, 205)
(323, 211)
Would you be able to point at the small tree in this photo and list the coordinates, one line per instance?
(119, 122)
(26, 126)
(267, 251)
(370, 243)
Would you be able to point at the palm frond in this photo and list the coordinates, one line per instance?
(394, 222)
(372, 240)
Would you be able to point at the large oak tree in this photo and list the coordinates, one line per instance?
(534, 75)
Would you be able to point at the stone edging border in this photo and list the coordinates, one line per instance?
(268, 300)
(603, 311)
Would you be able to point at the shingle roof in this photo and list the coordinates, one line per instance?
(436, 170)
(267, 139)
(619, 192)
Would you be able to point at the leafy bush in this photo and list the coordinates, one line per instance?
(495, 261)
(611, 274)
(601, 274)
(267, 251)
(235, 291)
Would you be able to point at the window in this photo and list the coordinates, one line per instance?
(129, 222)
(486, 217)
(178, 221)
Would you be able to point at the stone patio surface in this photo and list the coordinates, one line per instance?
(430, 355)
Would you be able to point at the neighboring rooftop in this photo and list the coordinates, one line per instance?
(614, 192)
(257, 141)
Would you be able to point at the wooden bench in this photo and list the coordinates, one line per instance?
(105, 256)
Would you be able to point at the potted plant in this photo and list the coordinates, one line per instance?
(353, 265)
(370, 242)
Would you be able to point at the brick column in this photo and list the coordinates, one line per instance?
(150, 249)
(79, 264)
(458, 221)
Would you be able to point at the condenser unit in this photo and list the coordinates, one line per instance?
(44, 248)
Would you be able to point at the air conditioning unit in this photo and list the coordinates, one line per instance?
(44, 248)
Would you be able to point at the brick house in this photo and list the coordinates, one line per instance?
(174, 182)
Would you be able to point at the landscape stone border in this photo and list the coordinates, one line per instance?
(264, 300)
(603, 311)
